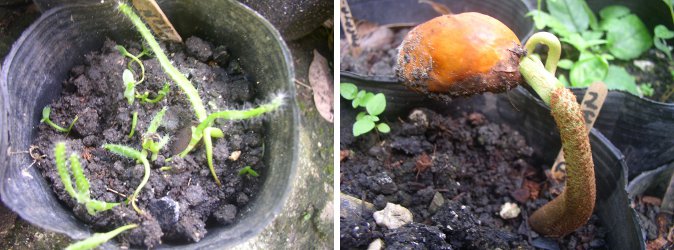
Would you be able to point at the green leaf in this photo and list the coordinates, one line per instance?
(663, 32)
(358, 100)
(383, 127)
(619, 79)
(372, 118)
(360, 115)
(130, 84)
(248, 171)
(99, 238)
(362, 126)
(376, 104)
(646, 89)
(565, 64)
(614, 11)
(348, 90)
(571, 13)
(588, 71)
(542, 20)
(62, 169)
(628, 37)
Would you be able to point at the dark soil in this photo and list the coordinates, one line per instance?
(379, 54)
(654, 224)
(181, 204)
(474, 165)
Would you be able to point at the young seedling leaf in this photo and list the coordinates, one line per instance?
(358, 100)
(376, 104)
(383, 127)
(247, 170)
(348, 90)
(362, 126)
(565, 64)
(130, 86)
(99, 238)
(360, 115)
(646, 89)
(46, 111)
(62, 169)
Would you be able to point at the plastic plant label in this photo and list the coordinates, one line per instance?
(349, 27)
(159, 23)
(592, 102)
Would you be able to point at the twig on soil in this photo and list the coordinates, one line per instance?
(298, 82)
(115, 192)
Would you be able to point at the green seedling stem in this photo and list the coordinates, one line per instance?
(46, 111)
(574, 206)
(149, 143)
(186, 86)
(247, 170)
(138, 156)
(160, 95)
(99, 238)
(134, 121)
(126, 53)
(82, 194)
(179, 78)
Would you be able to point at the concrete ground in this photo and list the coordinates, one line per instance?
(305, 222)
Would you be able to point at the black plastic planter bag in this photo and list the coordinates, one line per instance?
(528, 115)
(381, 12)
(40, 60)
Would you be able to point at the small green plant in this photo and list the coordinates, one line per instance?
(46, 111)
(128, 77)
(99, 238)
(131, 153)
(152, 142)
(144, 98)
(373, 104)
(134, 121)
(204, 129)
(618, 34)
(81, 194)
(247, 170)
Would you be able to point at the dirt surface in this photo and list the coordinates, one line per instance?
(180, 203)
(657, 226)
(379, 54)
(453, 174)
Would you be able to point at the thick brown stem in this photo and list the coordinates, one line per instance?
(574, 206)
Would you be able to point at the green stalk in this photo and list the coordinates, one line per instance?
(574, 206)
(99, 238)
(179, 78)
(134, 121)
(138, 156)
(198, 132)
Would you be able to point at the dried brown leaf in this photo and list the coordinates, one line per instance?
(320, 78)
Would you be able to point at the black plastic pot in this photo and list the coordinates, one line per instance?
(528, 115)
(511, 13)
(40, 60)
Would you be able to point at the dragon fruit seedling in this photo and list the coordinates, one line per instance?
(46, 111)
(99, 238)
(204, 129)
(81, 194)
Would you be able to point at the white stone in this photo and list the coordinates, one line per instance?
(393, 216)
(377, 244)
(509, 210)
